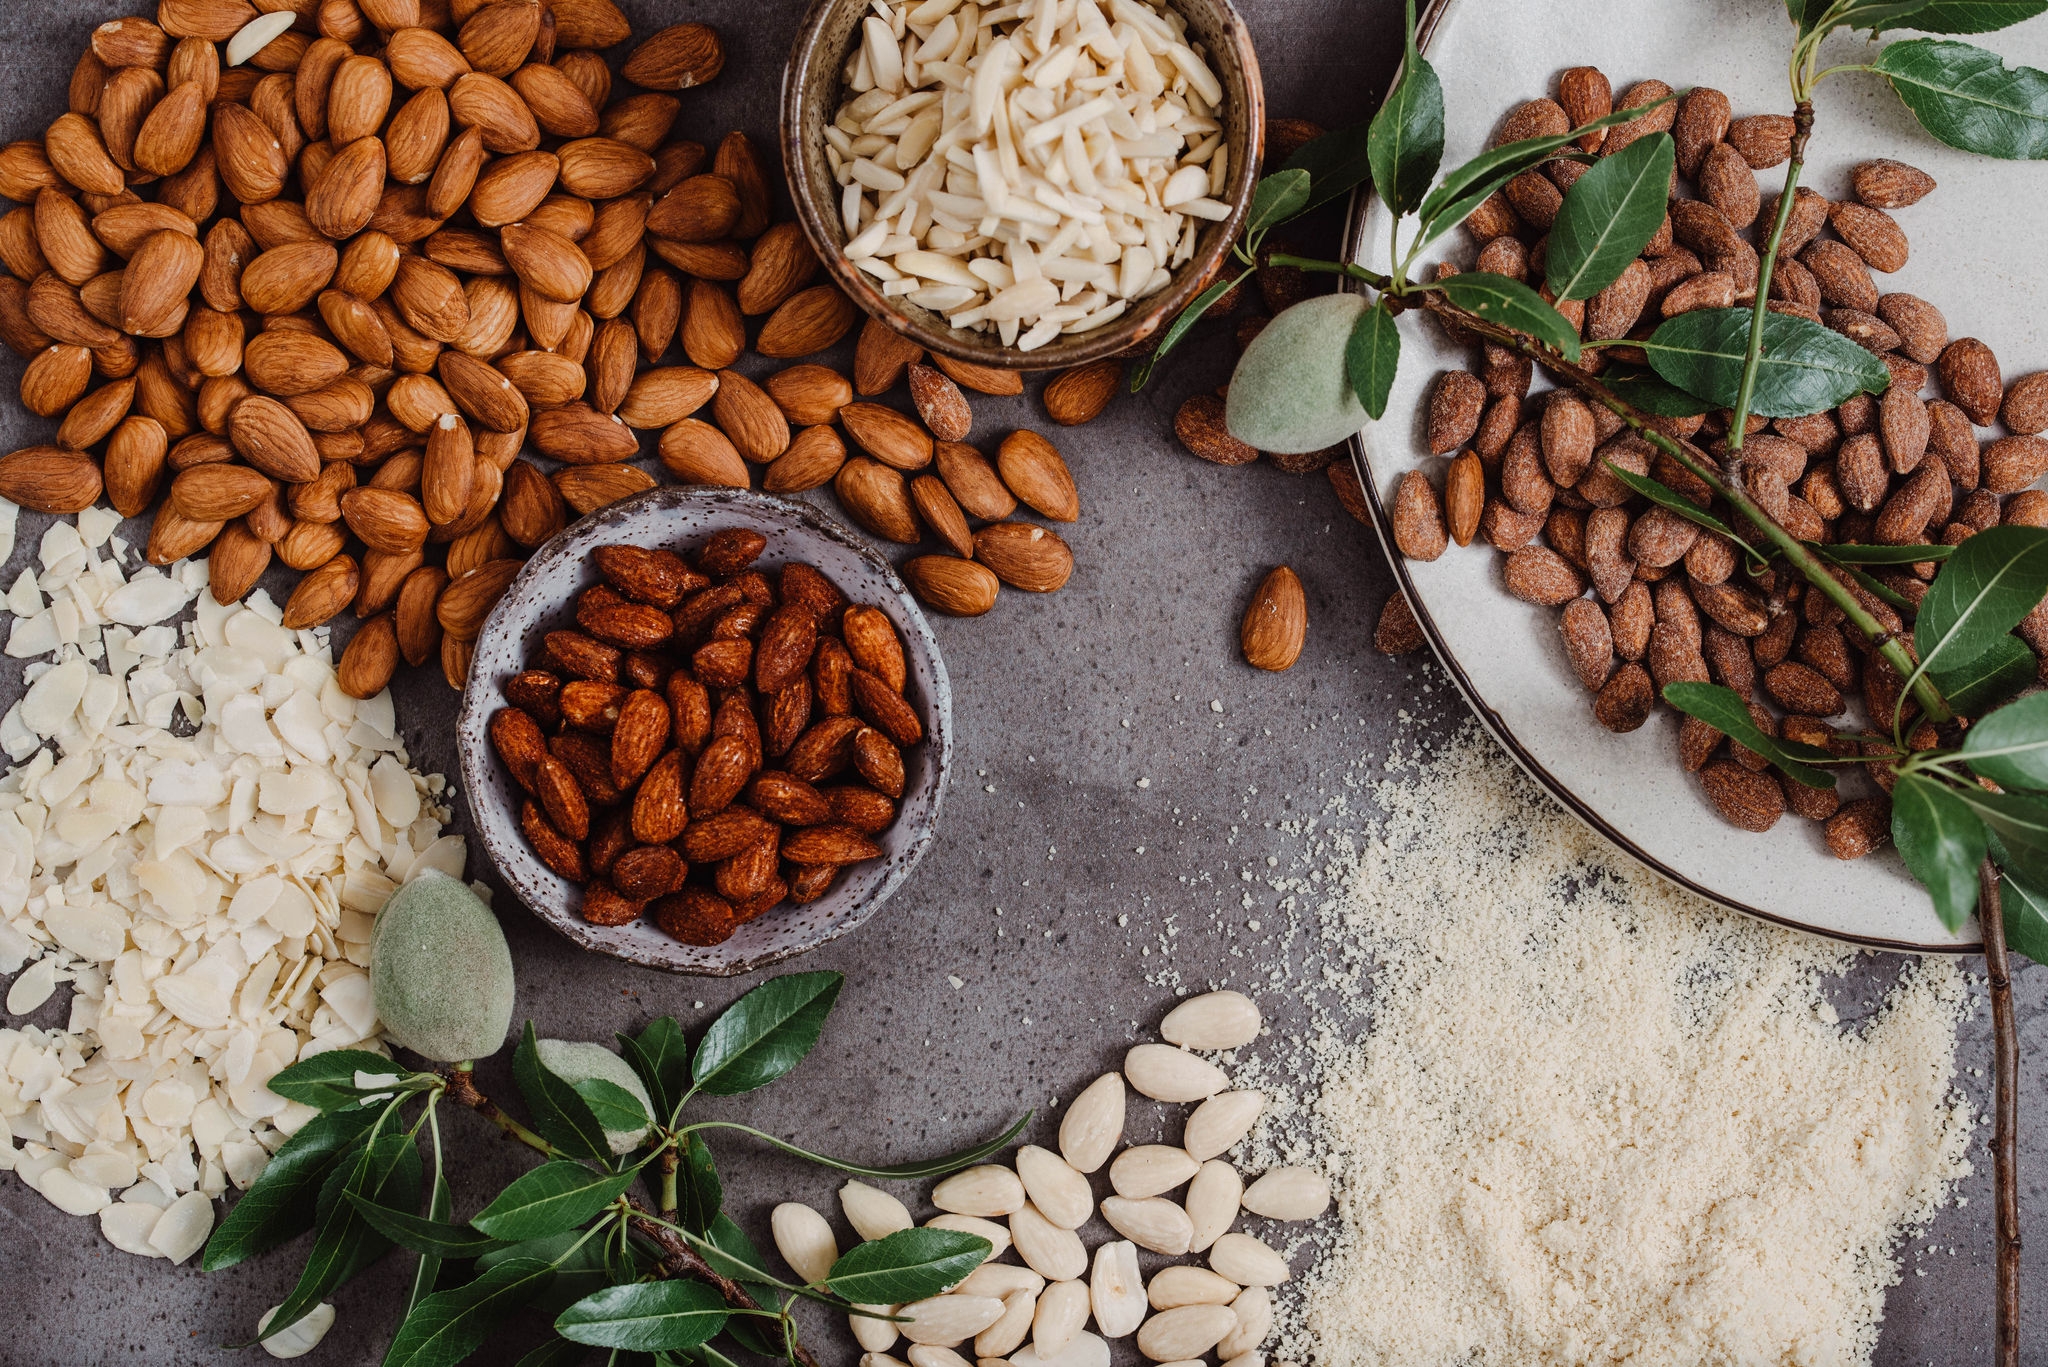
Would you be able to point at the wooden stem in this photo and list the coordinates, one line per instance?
(2005, 1053)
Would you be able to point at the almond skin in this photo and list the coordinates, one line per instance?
(1276, 623)
(1080, 395)
(1025, 557)
(951, 585)
(887, 435)
(876, 496)
(1034, 471)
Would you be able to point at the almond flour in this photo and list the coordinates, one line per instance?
(1593, 1118)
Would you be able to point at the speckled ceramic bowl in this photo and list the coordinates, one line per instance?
(811, 95)
(541, 599)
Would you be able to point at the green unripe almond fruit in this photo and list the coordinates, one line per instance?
(440, 971)
(574, 1061)
(1290, 394)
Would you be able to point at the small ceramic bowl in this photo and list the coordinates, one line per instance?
(542, 599)
(812, 93)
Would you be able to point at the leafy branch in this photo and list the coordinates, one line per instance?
(577, 1238)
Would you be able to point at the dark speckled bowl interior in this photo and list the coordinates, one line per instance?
(812, 91)
(542, 599)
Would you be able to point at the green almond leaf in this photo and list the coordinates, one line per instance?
(327, 1081)
(1510, 303)
(698, 1190)
(282, 1202)
(614, 1106)
(1337, 163)
(1992, 581)
(440, 1205)
(556, 1352)
(1973, 16)
(1877, 15)
(448, 1326)
(1178, 329)
(1609, 216)
(1806, 368)
(661, 1056)
(1723, 709)
(1275, 199)
(2010, 746)
(1371, 358)
(580, 1267)
(1405, 143)
(1942, 842)
(765, 1033)
(387, 1171)
(1974, 688)
(2019, 829)
(1647, 392)
(559, 1111)
(903, 1172)
(423, 1234)
(2025, 909)
(555, 1196)
(1855, 554)
(1969, 98)
(1467, 187)
(909, 1265)
(645, 1318)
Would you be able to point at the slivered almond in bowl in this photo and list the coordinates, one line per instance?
(706, 730)
(1029, 184)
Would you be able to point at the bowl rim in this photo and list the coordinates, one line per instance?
(515, 863)
(1113, 338)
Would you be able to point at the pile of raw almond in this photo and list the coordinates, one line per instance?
(1040, 1313)
(641, 737)
(1646, 597)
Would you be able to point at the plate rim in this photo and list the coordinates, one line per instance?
(1382, 525)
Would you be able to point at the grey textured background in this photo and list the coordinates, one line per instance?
(1064, 704)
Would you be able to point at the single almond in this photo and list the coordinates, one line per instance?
(881, 358)
(700, 209)
(385, 519)
(1079, 395)
(1025, 557)
(814, 457)
(982, 379)
(876, 497)
(714, 335)
(697, 453)
(940, 511)
(1274, 625)
(782, 263)
(807, 322)
(1034, 471)
(46, 479)
(887, 435)
(750, 418)
(974, 482)
(940, 403)
(590, 487)
(809, 395)
(677, 58)
(563, 110)
(322, 594)
(1464, 496)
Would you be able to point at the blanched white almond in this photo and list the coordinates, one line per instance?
(1062, 1311)
(1180, 1285)
(932, 1355)
(1214, 1020)
(805, 1240)
(1150, 1169)
(949, 1319)
(1085, 1351)
(1220, 1122)
(1001, 1280)
(1154, 1223)
(873, 1213)
(1289, 1194)
(1116, 1289)
(879, 1360)
(1053, 1251)
(986, 1191)
(1247, 1262)
(1247, 1360)
(1186, 1332)
(875, 1335)
(1060, 1193)
(1254, 1310)
(1165, 1073)
(1094, 1124)
(998, 1237)
(1213, 1200)
(1002, 1338)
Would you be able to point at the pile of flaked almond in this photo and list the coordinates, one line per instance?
(642, 737)
(1648, 598)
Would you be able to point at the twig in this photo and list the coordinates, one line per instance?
(2005, 1053)
(1753, 356)
(678, 1256)
(462, 1088)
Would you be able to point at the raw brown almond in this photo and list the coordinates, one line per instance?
(782, 263)
(806, 323)
(217, 493)
(814, 457)
(664, 397)
(1199, 424)
(936, 505)
(590, 487)
(1079, 395)
(750, 418)
(1464, 497)
(531, 508)
(158, 281)
(974, 482)
(881, 358)
(366, 666)
(1418, 519)
(1276, 623)
(55, 380)
(578, 434)
(714, 335)
(134, 466)
(941, 404)
(952, 585)
(982, 379)
(887, 435)
(413, 616)
(1025, 557)
(876, 497)
(809, 394)
(1034, 471)
(737, 163)
(677, 58)
(700, 209)
(697, 453)
(322, 594)
(469, 600)
(385, 519)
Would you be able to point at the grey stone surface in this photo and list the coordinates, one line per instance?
(1064, 897)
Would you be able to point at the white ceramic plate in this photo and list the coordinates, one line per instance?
(1978, 245)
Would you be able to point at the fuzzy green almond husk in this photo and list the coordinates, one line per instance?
(440, 971)
(1291, 394)
(574, 1061)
